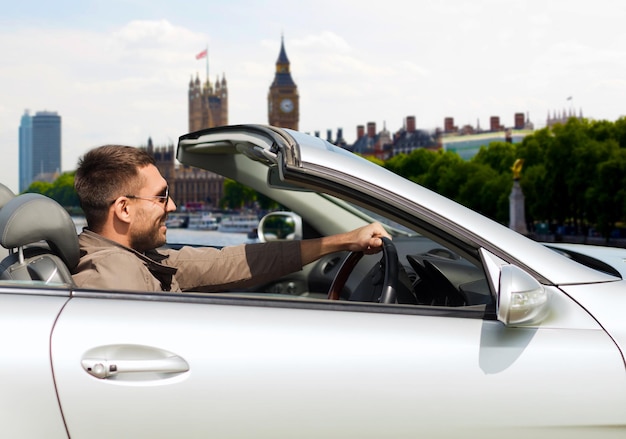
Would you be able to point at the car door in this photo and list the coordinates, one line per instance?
(28, 402)
(134, 365)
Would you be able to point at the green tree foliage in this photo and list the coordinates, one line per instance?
(606, 195)
(266, 203)
(620, 132)
(533, 182)
(445, 175)
(39, 187)
(411, 165)
(499, 156)
(61, 190)
(486, 191)
(237, 196)
(573, 173)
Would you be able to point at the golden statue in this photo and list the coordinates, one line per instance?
(517, 168)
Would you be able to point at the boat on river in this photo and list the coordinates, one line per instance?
(205, 221)
(239, 224)
(177, 222)
(208, 222)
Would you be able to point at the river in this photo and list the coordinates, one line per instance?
(205, 237)
(191, 236)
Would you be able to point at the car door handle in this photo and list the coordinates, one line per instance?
(107, 368)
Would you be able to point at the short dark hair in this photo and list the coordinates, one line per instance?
(105, 173)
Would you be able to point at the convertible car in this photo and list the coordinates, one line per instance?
(461, 327)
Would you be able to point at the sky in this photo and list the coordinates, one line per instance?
(118, 71)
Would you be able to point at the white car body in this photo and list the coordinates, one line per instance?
(541, 356)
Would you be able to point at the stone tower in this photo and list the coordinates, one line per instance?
(283, 103)
(208, 103)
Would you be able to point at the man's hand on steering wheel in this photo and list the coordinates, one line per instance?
(367, 239)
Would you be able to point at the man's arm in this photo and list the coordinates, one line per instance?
(365, 239)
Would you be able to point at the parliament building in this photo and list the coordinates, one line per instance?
(194, 189)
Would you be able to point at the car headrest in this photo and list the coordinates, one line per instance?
(6, 195)
(31, 218)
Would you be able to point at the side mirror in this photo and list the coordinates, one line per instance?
(277, 226)
(521, 298)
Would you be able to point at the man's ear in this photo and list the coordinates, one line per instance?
(122, 209)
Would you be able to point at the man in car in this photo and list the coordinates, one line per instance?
(126, 202)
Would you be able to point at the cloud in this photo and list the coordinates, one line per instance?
(121, 74)
(120, 85)
(325, 42)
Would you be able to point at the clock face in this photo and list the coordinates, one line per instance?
(286, 105)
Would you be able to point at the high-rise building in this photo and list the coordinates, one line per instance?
(39, 147)
(283, 103)
(46, 146)
(26, 151)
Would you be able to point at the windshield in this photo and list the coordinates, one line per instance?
(392, 227)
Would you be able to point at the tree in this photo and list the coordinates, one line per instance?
(412, 165)
(236, 195)
(533, 183)
(486, 191)
(533, 147)
(499, 156)
(607, 194)
(572, 172)
(620, 131)
(39, 187)
(61, 190)
(445, 175)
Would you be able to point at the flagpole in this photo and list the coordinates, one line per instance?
(570, 99)
(207, 64)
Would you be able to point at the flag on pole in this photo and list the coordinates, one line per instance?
(202, 54)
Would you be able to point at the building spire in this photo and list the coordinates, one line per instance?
(282, 56)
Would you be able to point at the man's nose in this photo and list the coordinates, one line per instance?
(171, 206)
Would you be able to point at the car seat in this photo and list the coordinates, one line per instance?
(41, 238)
(6, 195)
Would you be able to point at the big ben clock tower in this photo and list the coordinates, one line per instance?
(283, 104)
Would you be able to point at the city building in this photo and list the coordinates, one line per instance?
(409, 138)
(371, 143)
(192, 189)
(25, 151)
(561, 117)
(383, 145)
(338, 141)
(283, 102)
(39, 148)
(468, 141)
(196, 189)
(208, 103)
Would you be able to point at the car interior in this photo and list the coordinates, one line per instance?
(434, 269)
(416, 269)
(424, 273)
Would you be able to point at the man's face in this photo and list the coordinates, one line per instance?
(151, 205)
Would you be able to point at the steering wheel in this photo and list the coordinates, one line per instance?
(389, 266)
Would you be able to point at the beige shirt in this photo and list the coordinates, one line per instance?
(105, 264)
